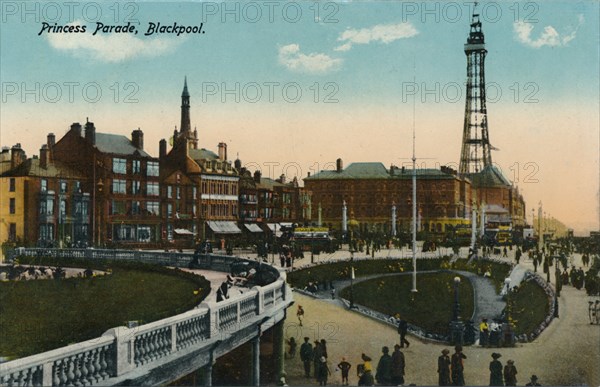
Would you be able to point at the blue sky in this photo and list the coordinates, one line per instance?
(542, 56)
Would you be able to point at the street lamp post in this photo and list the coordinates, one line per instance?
(557, 278)
(312, 247)
(456, 309)
(456, 325)
(99, 225)
(508, 334)
(351, 279)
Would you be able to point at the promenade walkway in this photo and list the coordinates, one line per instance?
(566, 353)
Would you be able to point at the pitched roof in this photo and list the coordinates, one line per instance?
(490, 176)
(377, 170)
(117, 144)
(268, 183)
(202, 154)
(31, 167)
(354, 171)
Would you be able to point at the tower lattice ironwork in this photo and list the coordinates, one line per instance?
(476, 148)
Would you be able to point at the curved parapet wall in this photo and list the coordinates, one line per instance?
(161, 351)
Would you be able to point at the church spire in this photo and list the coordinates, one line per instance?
(185, 127)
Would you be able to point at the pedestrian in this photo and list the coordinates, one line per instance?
(365, 372)
(398, 364)
(444, 369)
(323, 372)
(300, 314)
(323, 348)
(306, 355)
(344, 366)
(533, 381)
(293, 345)
(317, 353)
(484, 332)
(518, 255)
(402, 330)
(496, 371)
(383, 375)
(332, 293)
(510, 373)
(458, 367)
(504, 252)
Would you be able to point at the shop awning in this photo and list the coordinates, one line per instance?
(223, 227)
(183, 231)
(253, 227)
(275, 228)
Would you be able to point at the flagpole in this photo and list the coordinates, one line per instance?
(414, 203)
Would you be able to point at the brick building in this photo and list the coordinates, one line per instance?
(42, 201)
(200, 188)
(123, 181)
(370, 192)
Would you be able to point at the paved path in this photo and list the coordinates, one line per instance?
(566, 353)
(487, 303)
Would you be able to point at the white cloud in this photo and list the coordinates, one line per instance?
(291, 57)
(114, 47)
(549, 36)
(384, 33)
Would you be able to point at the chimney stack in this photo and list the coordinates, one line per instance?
(257, 176)
(51, 141)
(137, 138)
(339, 165)
(44, 156)
(90, 132)
(162, 148)
(76, 127)
(222, 151)
(17, 156)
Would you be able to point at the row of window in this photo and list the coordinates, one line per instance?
(121, 207)
(47, 207)
(219, 188)
(119, 186)
(120, 166)
(44, 185)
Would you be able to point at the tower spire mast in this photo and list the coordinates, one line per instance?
(476, 148)
(185, 127)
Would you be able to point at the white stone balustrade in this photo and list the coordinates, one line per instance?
(122, 351)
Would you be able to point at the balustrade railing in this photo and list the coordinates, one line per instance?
(121, 350)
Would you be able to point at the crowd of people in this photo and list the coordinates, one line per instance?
(390, 368)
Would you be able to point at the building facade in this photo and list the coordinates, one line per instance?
(372, 193)
(200, 197)
(42, 201)
(123, 181)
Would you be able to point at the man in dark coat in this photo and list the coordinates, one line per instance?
(496, 378)
(402, 330)
(384, 368)
(317, 353)
(458, 378)
(510, 374)
(444, 369)
(306, 355)
(398, 364)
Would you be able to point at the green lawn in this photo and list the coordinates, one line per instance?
(430, 308)
(335, 271)
(529, 307)
(37, 316)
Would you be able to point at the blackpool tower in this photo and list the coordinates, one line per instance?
(475, 154)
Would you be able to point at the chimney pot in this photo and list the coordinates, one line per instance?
(90, 132)
(339, 165)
